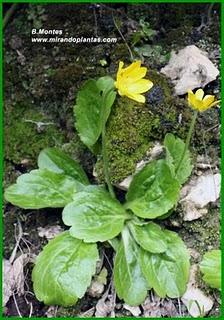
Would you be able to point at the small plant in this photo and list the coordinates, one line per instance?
(147, 256)
(155, 52)
(145, 33)
(141, 47)
(36, 14)
(211, 268)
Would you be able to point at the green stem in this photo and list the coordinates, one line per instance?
(188, 140)
(104, 150)
(106, 163)
(121, 34)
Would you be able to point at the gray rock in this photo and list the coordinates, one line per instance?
(198, 193)
(197, 303)
(190, 68)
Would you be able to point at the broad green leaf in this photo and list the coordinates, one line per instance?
(94, 215)
(129, 281)
(114, 243)
(153, 191)
(105, 83)
(167, 273)
(63, 270)
(56, 160)
(106, 86)
(211, 268)
(92, 109)
(149, 236)
(174, 151)
(41, 189)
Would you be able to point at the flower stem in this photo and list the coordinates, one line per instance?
(104, 148)
(121, 34)
(188, 140)
(106, 163)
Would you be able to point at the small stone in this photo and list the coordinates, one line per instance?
(87, 314)
(97, 286)
(25, 162)
(175, 223)
(206, 163)
(15, 42)
(51, 312)
(96, 289)
(135, 311)
(124, 185)
(199, 192)
(194, 253)
(105, 306)
(197, 303)
(155, 152)
(49, 232)
(190, 68)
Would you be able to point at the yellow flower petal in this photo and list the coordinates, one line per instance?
(199, 94)
(197, 102)
(132, 67)
(140, 86)
(208, 96)
(208, 100)
(136, 74)
(121, 64)
(130, 81)
(191, 98)
(137, 97)
(193, 102)
(214, 103)
(120, 93)
(200, 106)
(119, 72)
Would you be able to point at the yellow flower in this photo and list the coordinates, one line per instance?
(130, 82)
(198, 102)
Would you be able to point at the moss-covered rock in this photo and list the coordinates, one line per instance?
(203, 234)
(127, 137)
(133, 128)
(26, 133)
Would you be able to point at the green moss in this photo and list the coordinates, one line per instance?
(77, 310)
(203, 234)
(133, 128)
(68, 312)
(127, 137)
(24, 140)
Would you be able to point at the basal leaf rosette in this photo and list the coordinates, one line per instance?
(94, 215)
